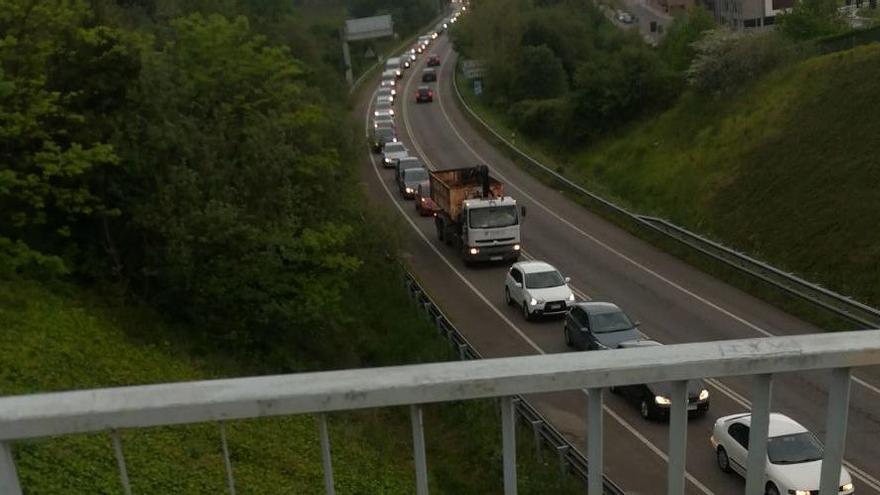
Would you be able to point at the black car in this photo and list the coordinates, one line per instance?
(380, 136)
(424, 94)
(429, 75)
(598, 325)
(653, 398)
(433, 60)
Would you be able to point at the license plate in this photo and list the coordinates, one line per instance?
(496, 258)
(553, 307)
(692, 407)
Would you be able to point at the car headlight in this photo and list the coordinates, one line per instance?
(662, 401)
(704, 394)
(799, 492)
(516, 247)
(409, 190)
(392, 111)
(846, 487)
(533, 302)
(474, 250)
(398, 73)
(571, 297)
(387, 160)
(393, 91)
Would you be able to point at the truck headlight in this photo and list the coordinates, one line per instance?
(846, 487)
(474, 250)
(662, 401)
(516, 247)
(704, 394)
(800, 492)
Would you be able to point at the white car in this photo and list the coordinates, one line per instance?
(538, 288)
(386, 91)
(392, 153)
(794, 455)
(383, 108)
(384, 99)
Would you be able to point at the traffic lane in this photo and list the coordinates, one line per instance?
(798, 394)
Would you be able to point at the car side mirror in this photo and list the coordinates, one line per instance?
(522, 211)
(567, 279)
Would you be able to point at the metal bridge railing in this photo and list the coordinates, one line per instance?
(112, 409)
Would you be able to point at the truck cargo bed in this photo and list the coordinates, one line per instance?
(450, 188)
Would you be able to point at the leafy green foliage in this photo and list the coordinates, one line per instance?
(727, 60)
(677, 45)
(810, 19)
(563, 57)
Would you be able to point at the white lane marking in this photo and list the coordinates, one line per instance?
(647, 442)
(703, 300)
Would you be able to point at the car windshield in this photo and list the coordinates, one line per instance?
(493, 217)
(383, 105)
(394, 148)
(411, 163)
(543, 280)
(415, 175)
(794, 448)
(612, 321)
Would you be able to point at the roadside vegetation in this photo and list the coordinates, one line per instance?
(756, 140)
(179, 201)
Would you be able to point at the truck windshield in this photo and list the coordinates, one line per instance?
(493, 217)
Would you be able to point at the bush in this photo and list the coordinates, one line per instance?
(539, 74)
(677, 47)
(542, 118)
(726, 60)
(811, 19)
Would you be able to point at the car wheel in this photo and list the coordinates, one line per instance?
(525, 310)
(723, 460)
(645, 409)
(507, 298)
(771, 489)
(567, 334)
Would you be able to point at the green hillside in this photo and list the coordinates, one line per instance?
(786, 169)
(66, 339)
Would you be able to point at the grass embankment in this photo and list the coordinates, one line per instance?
(786, 169)
(62, 339)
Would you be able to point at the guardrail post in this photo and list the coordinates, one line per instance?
(562, 451)
(594, 445)
(508, 441)
(418, 431)
(230, 479)
(462, 352)
(326, 460)
(758, 432)
(835, 430)
(677, 438)
(120, 461)
(8, 476)
(536, 431)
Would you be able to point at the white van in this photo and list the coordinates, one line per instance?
(394, 64)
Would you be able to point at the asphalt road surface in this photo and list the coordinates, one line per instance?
(675, 303)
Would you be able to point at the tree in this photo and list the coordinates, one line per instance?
(677, 46)
(539, 74)
(811, 19)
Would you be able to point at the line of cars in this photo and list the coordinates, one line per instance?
(793, 463)
(411, 176)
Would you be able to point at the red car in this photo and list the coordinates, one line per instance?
(433, 60)
(424, 204)
(424, 94)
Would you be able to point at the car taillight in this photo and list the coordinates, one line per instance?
(430, 93)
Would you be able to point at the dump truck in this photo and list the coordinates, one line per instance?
(474, 216)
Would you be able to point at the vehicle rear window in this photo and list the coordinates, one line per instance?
(613, 321)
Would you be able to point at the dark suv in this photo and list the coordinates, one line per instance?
(433, 60)
(424, 94)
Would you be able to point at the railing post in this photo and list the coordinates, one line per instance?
(677, 438)
(835, 430)
(8, 475)
(758, 432)
(120, 461)
(508, 437)
(536, 432)
(418, 431)
(326, 460)
(230, 479)
(594, 439)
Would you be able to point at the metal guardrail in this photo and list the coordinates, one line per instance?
(570, 458)
(838, 304)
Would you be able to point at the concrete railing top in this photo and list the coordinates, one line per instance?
(39, 415)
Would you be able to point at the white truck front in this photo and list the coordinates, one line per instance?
(490, 229)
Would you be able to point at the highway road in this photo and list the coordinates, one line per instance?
(675, 303)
